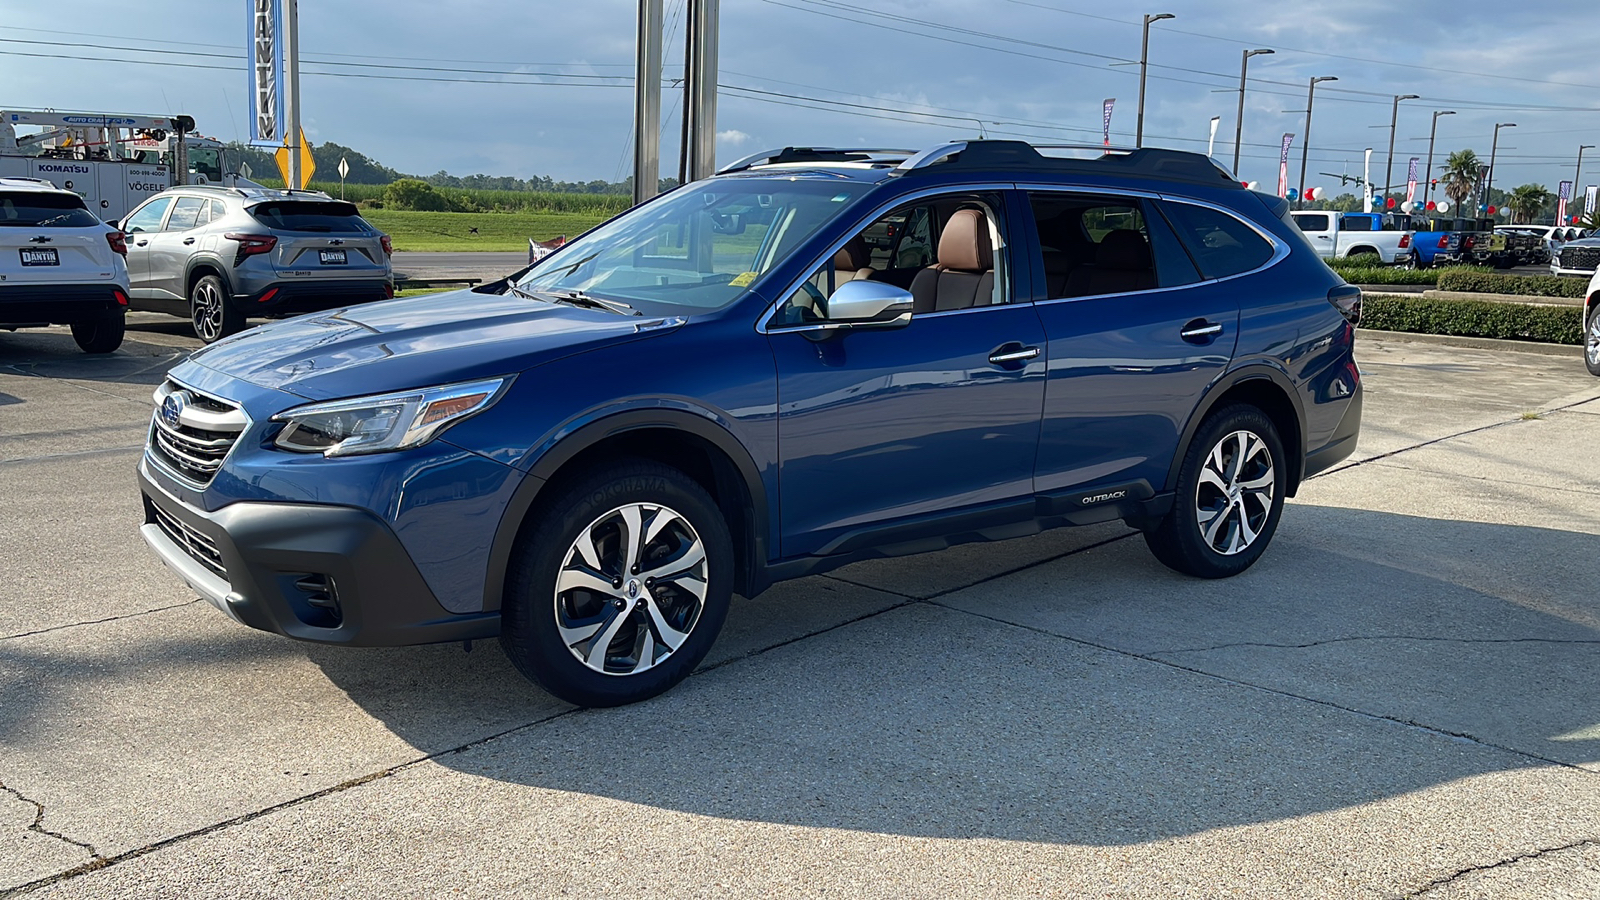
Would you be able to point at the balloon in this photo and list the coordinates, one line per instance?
(1492, 210)
(1432, 206)
(1389, 203)
(1294, 194)
(1407, 206)
(1254, 185)
(1443, 206)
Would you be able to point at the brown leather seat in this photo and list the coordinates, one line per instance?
(1122, 263)
(852, 262)
(964, 276)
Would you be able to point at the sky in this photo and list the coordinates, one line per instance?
(534, 87)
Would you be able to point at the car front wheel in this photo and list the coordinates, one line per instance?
(622, 586)
(1229, 496)
(1591, 342)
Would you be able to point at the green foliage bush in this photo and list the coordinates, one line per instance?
(1520, 285)
(412, 194)
(1474, 318)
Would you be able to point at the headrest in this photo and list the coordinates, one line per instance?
(965, 242)
(1123, 248)
(853, 255)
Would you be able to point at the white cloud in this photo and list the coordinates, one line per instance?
(733, 137)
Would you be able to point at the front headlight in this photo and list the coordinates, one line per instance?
(384, 422)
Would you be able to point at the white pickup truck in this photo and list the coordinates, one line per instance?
(1337, 235)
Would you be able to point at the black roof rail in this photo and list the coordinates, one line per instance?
(1145, 162)
(815, 154)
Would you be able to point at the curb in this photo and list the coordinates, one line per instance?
(1399, 290)
(1569, 351)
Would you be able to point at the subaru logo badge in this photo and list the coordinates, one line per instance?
(172, 408)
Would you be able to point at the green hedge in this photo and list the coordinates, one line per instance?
(1520, 285)
(1474, 318)
(1386, 275)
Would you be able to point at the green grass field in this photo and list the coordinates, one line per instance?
(496, 230)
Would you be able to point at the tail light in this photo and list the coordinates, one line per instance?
(118, 242)
(388, 289)
(388, 245)
(1405, 240)
(1346, 298)
(1466, 243)
(119, 296)
(1444, 242)
(251, 244)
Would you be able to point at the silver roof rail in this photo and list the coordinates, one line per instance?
(809, 154)
(930, 156)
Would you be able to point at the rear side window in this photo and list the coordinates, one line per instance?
(310, 215)
(1355, 223)
(1092, 245)
(1220, 244)
(30, 209)
(1312, 223)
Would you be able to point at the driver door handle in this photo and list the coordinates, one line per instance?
(140, 243)
(1002, 356)
(188, 240)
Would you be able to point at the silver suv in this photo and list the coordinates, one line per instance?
(219, 255)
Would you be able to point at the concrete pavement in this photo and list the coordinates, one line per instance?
(1396, 701)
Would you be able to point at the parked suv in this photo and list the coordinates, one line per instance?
(726, 386)
(60, 265)
(219, 255)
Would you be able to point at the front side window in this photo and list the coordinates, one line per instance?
(696, 249)
(1220, 244)
(148, 217)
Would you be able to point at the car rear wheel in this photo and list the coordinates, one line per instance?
(101, 334)
(213, 315)
(1591, 342)
(1229, 496)
(620, 589)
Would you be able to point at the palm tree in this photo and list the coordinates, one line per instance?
(1460, 175)
(1527, 201)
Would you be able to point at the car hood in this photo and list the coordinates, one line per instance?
(400, 344)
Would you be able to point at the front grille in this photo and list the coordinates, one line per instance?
(1580, 257)
(197, 545)
(191, 433)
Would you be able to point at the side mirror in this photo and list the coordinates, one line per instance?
(869, 304)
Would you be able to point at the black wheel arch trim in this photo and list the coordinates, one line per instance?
(1252, 371)
(753, 572)
(207, 262)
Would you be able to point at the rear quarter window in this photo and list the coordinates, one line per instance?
(31, 209)
(1220, 244)
(310, 215)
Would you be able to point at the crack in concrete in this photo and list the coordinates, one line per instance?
(37, 826)
(1376, 637)
(12, 637)
(1511, 861)
(1396, 720)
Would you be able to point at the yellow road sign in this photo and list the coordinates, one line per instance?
(308, 166)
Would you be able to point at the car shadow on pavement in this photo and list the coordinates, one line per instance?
(1093, 699)
(53, 354)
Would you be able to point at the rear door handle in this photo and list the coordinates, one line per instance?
(140, 243)
(1200, 331)
(1004, 356)
(189, 240)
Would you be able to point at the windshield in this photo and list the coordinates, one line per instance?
(697, 249)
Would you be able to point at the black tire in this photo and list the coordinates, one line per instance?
(1179, 542)
(212, 312)
(1591, 342)
(1411, 261)
(101, 334)
(592, 508)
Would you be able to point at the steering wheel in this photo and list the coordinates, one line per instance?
(819, 303)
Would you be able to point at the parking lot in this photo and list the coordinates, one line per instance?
(1398, 700)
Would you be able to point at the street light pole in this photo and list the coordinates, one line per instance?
(1489, 182)
(1305, 148)
(1144, 63)
(1238, 125)
(1577, 174)
(1394, 118)
(1427, 181)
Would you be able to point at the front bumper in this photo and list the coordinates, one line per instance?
(56, 304)
(328, 574)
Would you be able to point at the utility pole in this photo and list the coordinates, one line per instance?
(1427, 181)
(700, 90)
(1238, 126)
(1305, 148)
(1144, 64)
(647, 103)
(291, 100)
(1489, 182)
(1394, 119)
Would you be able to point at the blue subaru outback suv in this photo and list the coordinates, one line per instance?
(815, 357)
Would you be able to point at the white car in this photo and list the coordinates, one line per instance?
(60, 265)
(1591, 326)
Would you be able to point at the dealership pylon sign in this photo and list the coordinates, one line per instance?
(267, 72)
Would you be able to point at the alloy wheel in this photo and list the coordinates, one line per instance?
(207, 311)
(1592, 343)
(631, 588)
(1234, 493)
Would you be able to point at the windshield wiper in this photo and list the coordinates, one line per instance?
(577, 298)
